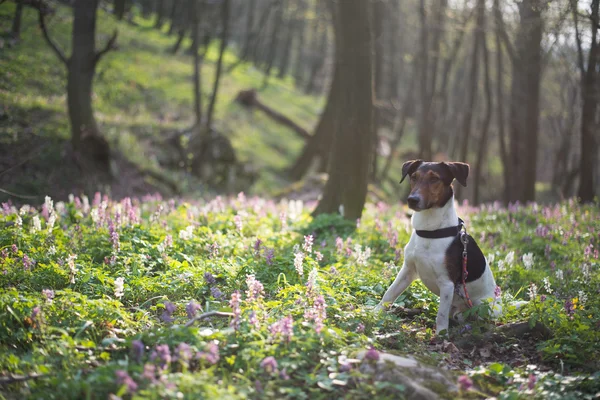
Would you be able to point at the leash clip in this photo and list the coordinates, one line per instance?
(464, 240)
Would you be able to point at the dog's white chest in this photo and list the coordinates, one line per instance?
(428, 257)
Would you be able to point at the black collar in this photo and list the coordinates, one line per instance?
(442, 233)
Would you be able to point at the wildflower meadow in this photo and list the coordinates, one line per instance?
(242, 297)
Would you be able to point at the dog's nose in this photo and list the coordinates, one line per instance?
(413, 201)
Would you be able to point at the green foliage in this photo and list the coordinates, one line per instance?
(81, 284)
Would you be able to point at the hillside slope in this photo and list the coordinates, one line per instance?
(141, 93)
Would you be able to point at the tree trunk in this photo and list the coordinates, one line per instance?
(16, 27)
(318, 58)
(525, 102)
(160, 14)
(346, 188)
(287, 47)
(197, 63)
(424, 140)
(224, 38)
(173, 17)
(249, 29)
(119, 8)
(300, 47)
(506, 169)
(273, 43)
(481, 152)
(590, 114)
(85, 136)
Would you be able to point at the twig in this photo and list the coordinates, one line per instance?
(18, 195)
(110, 45)
(42, 11)
(207, 315)
(7, 380)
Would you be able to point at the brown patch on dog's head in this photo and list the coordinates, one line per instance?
(431, 182)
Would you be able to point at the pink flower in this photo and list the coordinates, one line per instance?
(308, 243)
(211, 355)
(372, 355)
(269, 364)
(123, 378)
(531, 381)
(234, 303)
(137, 347)
(255, 290)
(464, 382)
(192, 308)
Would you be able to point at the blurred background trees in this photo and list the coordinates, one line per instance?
(512, 87)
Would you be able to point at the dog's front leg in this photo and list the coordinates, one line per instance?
(443, 315)
(405, 277)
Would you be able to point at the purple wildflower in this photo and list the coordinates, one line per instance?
(543, 298)
(183, 353)
(317, 313)
(318, 256)
(4, 253)
(284, 328)
(497, 292)
(49, 293)
(570, 308)
(35, 312)
(209, 278)
(149, 372)
(372, 355)
(269, 364)
(114, 236)
(257, 245)
(237, 220)
(531, 381)
(137, 348)
(28, 263)
(211, 355)
(163, 354)
(339, 244)
(191, 309)
(464, 382)
(234, 303)
(283, 375)
(269, 254)
(123, 378)
(360, 328)
(255, 290)
(253, 320)
(167, 315)
(168, 241)
(215, 292)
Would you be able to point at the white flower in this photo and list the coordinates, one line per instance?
(510, 259)
(583, 298)
(491, 258)
(312, 278)
(119, 287)
(51, 221)
(187, 233)
(36, 224)
(19, 221)
(72, 269)
(559, 274)
(547, 285)
(49, 204)
(95, 215)
(341, 210)
(586, 270)
(501, 265)
(361, 256)
(298, 259)
(528, 260)
(532, 291)
(52, 250)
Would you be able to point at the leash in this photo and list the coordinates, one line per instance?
(465, 240)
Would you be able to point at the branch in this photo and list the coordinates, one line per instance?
(207, 315)
(110, 45)
(7, 380)
(502, 31)
(42, 11)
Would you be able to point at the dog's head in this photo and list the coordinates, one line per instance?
(431, 182)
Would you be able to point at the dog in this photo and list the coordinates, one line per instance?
(434, 252)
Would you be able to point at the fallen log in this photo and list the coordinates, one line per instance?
(249, 99)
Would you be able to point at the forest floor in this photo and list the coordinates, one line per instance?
(97, 295)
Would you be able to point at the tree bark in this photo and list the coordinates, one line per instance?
(173, 17)
(483, 140)
(346, 188)
(16, 27)
(506, 168)
(273, 43)
(590, 114)
(224, 39)
(318, 58)
(525, 102)
(119, 8)
(160, 14)
(286, 51)
(299, 64)
(197, 63)
(249, 29)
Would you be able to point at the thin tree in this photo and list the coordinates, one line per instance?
(346, 188)
(483, 140)
(119, 8)
(224, 38)
(195, 10)
(81, 68)
(273, 42)
(16, 26)
(590, 97)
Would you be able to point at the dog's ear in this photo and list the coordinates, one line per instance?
(459, 170)
(409, 167)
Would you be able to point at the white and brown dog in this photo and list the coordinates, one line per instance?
(435, 251)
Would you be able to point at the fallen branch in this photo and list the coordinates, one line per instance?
(7, 380)
(504, 333)
(207, 315)
(249, 99)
